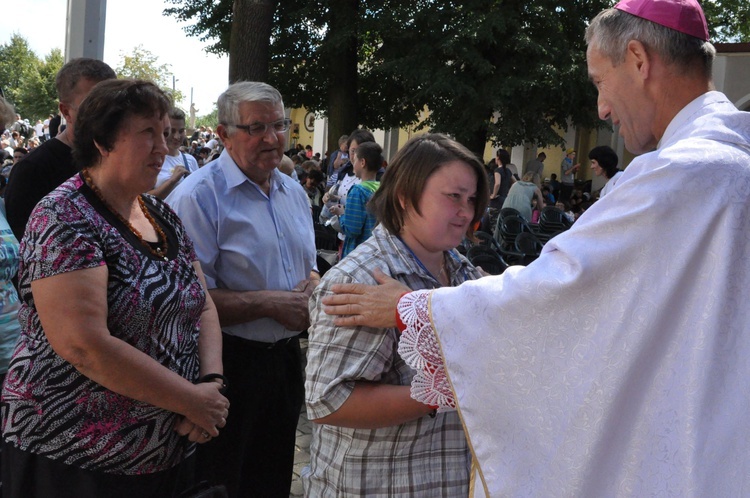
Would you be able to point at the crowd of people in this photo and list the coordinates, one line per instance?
(154, 287)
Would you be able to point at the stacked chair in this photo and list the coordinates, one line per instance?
(521, 242)
(552, 221)
(484, 253)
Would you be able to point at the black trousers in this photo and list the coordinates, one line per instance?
(254, 453)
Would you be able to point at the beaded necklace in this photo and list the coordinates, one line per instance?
(161, 250)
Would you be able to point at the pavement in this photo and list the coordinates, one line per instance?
(302, 446)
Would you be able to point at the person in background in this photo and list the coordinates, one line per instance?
(52, 163)
(286, 166)
(503, 179)
(521, 194)
(568, 174)
(114, 376)
(604, 163)
(203, 154)
(554, 186)
(313, 185)
(19, 153)
(536, 166)
(54, 125)
(369, 436)
(39, 130)
(45, 124)
(177, 164)
(549, 199)
(357, 221)
(9, 326)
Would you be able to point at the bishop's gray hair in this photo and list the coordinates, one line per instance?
(612, 29)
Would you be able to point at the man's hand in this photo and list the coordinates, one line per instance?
(366, 305)
(307, 286)
(294, 314)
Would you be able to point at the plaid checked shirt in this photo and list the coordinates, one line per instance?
(427, 457)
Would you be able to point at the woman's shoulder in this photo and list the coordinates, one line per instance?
(357, 267)
(66, 202)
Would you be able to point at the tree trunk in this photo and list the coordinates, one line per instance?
(250, 40)
(342, 64)
(476, 141)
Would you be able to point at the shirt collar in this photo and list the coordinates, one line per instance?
(401, 262)
(235, 177)
(689, 113)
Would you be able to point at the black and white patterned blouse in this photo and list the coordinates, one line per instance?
(48, 407)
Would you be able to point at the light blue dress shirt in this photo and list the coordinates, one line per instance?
(244, 239)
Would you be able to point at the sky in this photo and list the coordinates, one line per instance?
(129, 23)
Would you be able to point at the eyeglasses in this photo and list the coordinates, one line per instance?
(258, 129)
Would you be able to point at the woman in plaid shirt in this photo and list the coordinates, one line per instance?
(369, 437)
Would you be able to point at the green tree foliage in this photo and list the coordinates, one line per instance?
(211, 119)
(507, 71)
(28, 82)
(38, 94)
(728, 20)
(144, 65)
(212, 21)
(16, 62)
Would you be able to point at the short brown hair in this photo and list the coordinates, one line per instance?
(372, 153)
(103, 113)
(406, 176)
(79, 69)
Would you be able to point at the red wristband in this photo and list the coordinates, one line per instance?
(400, 325)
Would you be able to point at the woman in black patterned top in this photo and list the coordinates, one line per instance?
(103, 394)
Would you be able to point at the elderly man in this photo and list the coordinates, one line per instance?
(616, 364)
(50, 164)
(254, 237)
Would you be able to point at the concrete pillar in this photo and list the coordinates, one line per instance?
(84, 33)
(320, 138)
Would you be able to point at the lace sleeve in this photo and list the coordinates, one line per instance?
(419, 348)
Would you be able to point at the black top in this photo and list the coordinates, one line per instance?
(505, 183)
(36, 175)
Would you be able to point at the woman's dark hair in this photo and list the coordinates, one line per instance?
(408, 172)
(316, 175)
(372, 153)
(607, 159)
(504, 157)
(104, 112)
